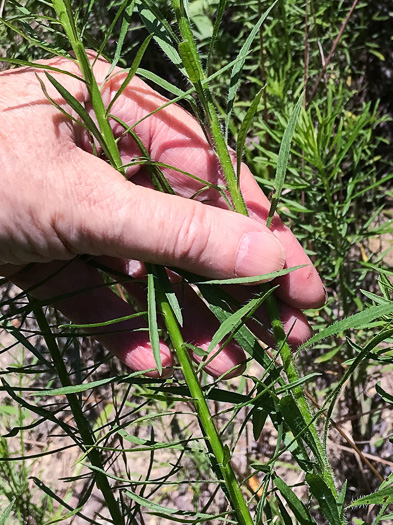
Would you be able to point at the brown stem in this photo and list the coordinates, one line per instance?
(263, 76)
(331, 53)
(348, 440)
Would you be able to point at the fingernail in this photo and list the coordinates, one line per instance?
(259, 253)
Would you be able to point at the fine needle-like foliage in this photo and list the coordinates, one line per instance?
(280, 83)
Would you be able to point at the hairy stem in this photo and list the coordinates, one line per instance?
(64, 12)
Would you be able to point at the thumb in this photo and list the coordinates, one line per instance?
(121, 219)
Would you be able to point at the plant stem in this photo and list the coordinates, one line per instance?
(231, 485)
(64, 12)
(194, 69)
(82, 423)
(193, 66)
(297, 392)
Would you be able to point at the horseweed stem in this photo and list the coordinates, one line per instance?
(64, 12)
(193, 66)
(213, 440)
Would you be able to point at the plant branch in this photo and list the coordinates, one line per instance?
(82, 423)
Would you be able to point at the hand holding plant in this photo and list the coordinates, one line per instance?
(70, 202)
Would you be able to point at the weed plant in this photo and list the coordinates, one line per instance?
(284, 85)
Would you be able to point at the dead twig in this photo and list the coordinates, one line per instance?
(335, 44)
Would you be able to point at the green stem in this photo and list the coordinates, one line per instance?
(64, 12)
(231, 485)
(193, 67)
(297, 392)
(192, 63)
(84, 428)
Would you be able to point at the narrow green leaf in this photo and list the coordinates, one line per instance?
(325, 498)
(359, 320)
(259, 416)
(377, 498)
(148, 503)
(6, 513)
(161, 31)
(233, 321)
(196, 350)
(57, 498)
(133, 69)
(227, 455)
(190, 62)
(123, 31)
(152, 318)
(341, 498)
(285, 517)
(36, 65)
(385, 395)
(387, 517)
(255, 279)
(160, 273)
(53, 50)
(46, 414)
(295, 421)
(157, 176)
(299, 452)
(283, 156)
(387, 481)
(26, 343)
(217, 302)
(81, 111)
(73, 389)
(220, 11)
(237, 68)
(294, 503)
(104, 323)
(128, 6)
(245, 126)
(328, 356)
(296, 383)
(170, 88)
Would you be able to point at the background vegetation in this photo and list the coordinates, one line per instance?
(337, 197)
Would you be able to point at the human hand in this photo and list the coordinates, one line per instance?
(60, 201)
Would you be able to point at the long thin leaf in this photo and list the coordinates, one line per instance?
(152, 318)
(325, 498)
(237, 68)
(294, 503)
(376, 498)
(255, 279)
(166, 510)
(283, 156)
(220, 11)
(81, 111)
(64, 504)
(37, 65)
(132, 71)
(385, 395)
(299, 427)
(4, 516)
(245, 126)
(160, 273)
(233, 321)
(161, 31)
(73, 389)
(128, 7)
(359, 320)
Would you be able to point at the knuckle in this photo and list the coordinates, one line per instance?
(193, 234)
